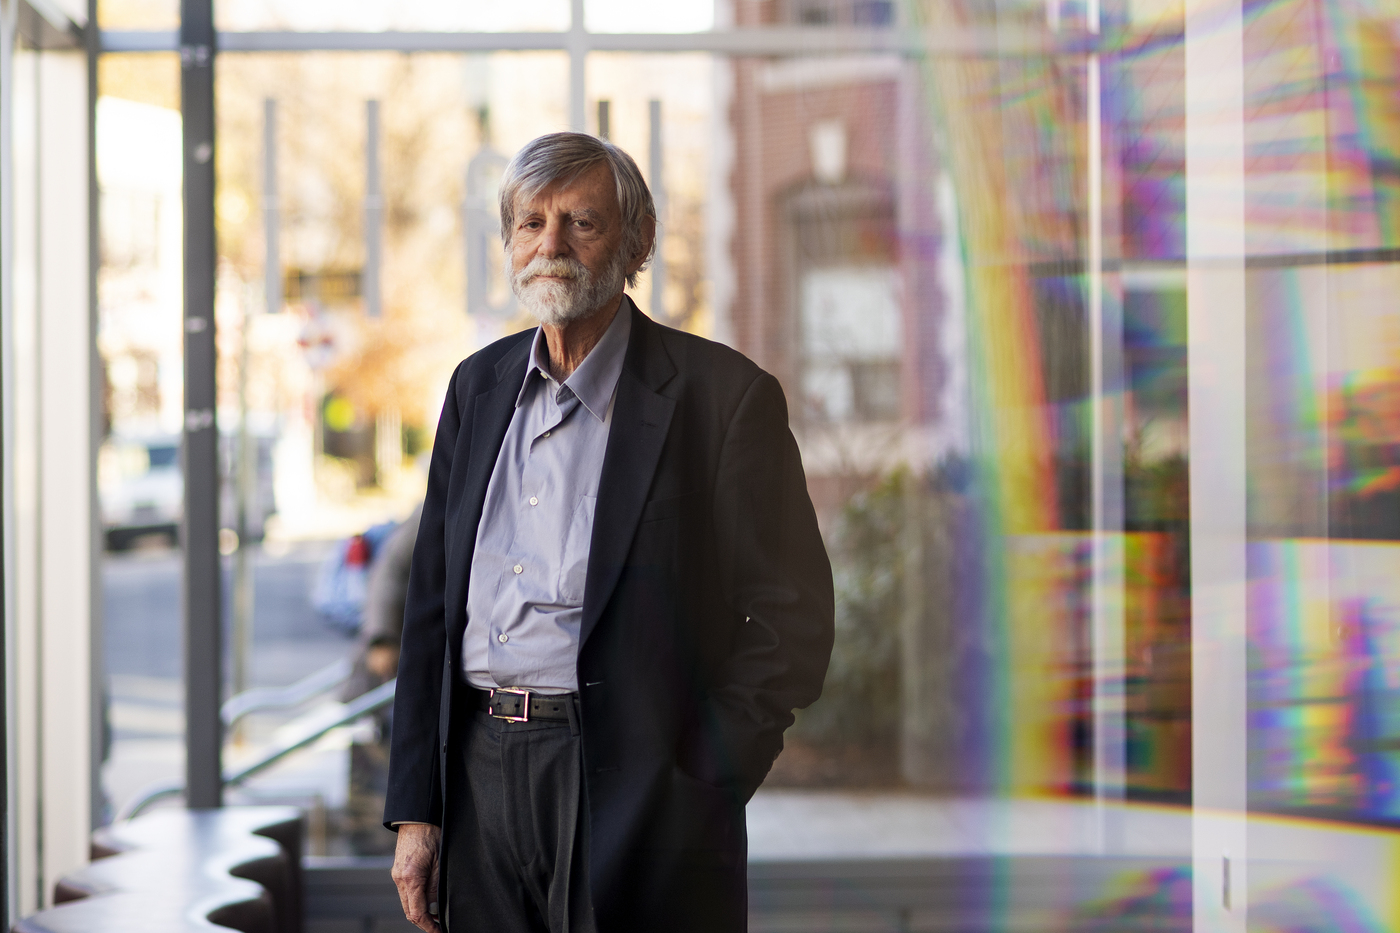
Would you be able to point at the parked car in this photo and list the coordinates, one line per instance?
(142, 488)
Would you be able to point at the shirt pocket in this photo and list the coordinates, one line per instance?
(573, 569)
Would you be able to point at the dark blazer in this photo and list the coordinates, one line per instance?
(707, 618)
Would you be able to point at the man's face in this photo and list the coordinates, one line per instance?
(565, 252)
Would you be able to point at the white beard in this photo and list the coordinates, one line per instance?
(560, 303)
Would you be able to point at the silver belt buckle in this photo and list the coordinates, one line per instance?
(513, 691)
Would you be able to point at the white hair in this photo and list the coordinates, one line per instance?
(564, 157)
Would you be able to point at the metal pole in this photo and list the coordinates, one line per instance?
(388, 446)
(1107, 635)
(8, 848)
(202, 604)
(374, 211)
(658, 195)
(97, 694)
(272, 262)
(242, 560)
(578, 60)
(604, 119)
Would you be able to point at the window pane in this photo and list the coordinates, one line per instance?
(139, 14)
(416, 15)
(978, 279)
(678, 89)
(339, 409)
(639, 16)
(1322, 415)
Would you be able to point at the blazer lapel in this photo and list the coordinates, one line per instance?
(640, 422)
(491, 414)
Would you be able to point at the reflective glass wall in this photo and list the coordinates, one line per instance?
(993, 253)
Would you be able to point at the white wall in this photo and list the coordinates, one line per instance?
(48, 472)
(7, 226)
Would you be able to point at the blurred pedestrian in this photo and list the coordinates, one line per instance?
(376, 663)
(381, 628)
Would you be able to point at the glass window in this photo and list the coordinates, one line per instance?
(980, 279)
(546, 16)
(138, 14)
(850, 343)
(661, 109)
(639, 16)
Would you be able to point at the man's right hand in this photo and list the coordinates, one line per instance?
(416, 873)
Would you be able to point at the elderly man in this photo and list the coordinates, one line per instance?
(618, 595)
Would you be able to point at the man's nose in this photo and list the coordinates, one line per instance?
(553, 243)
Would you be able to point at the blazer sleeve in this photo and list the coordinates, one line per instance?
(776, 577)
(414, 791)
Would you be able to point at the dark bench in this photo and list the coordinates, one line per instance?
(176, 871)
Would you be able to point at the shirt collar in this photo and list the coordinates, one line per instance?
(596, 377)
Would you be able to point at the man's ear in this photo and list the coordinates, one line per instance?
(644, 244)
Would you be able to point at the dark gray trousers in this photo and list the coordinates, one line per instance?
(515, 843)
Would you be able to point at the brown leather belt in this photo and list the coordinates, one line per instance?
(517, 704)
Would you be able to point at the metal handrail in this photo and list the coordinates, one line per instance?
(261, 698)
(300, 733)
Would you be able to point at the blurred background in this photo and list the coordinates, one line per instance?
(1086, 315)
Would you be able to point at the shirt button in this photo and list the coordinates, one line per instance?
(518, 569)
(546, 434)
(503, 638)
(534, 501)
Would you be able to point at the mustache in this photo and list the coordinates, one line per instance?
(563, 267)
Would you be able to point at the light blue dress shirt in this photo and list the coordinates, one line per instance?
(525, 591)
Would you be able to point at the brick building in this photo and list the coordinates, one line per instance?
(836, 248)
